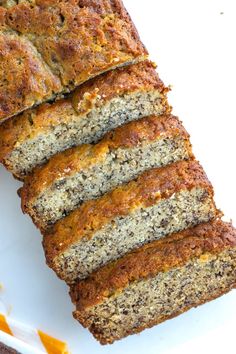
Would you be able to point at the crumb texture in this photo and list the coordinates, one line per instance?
(164, 296)
(122, 235)
(158, 281)
(150, 187)
(87, 172)
(102, 104)
(158, 256)
(168, 199)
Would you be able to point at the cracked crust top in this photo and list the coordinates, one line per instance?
(50, 47)
(158, 256)
(145, 191)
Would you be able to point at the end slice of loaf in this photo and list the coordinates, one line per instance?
(159, 202)
(49, 47)
(97, 107)
(157, 282)
(88, 171)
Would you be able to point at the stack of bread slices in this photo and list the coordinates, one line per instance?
(126, 212)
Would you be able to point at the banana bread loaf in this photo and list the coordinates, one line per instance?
(159, 202)
(88, 171)
(98, 106)
(49, 47)
(157, 282)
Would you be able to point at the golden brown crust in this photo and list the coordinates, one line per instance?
(137, 77)
(98, 335)
(24, 78)
(74, 40)
(77, 159)
(141, 76)
(147, 129)
(158, 256)
(145, 191)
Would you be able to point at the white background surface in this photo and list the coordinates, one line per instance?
(194, 46)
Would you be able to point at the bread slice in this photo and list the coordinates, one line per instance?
(88, 171)
(159, 202)
(49, 47)
(96, 107)
(157, 282)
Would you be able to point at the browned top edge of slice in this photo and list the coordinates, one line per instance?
(77, 40)
(82, 157)
(136, 77)
(158, 256)
(149, 188)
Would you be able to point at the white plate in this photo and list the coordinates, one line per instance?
(194, 46)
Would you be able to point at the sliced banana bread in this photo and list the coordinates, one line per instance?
(88, 171)
(159, 202)
(50, 47)
(98, 106)
(157, 282)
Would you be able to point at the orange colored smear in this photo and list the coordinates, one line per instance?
(4, 326)
(52, 345)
